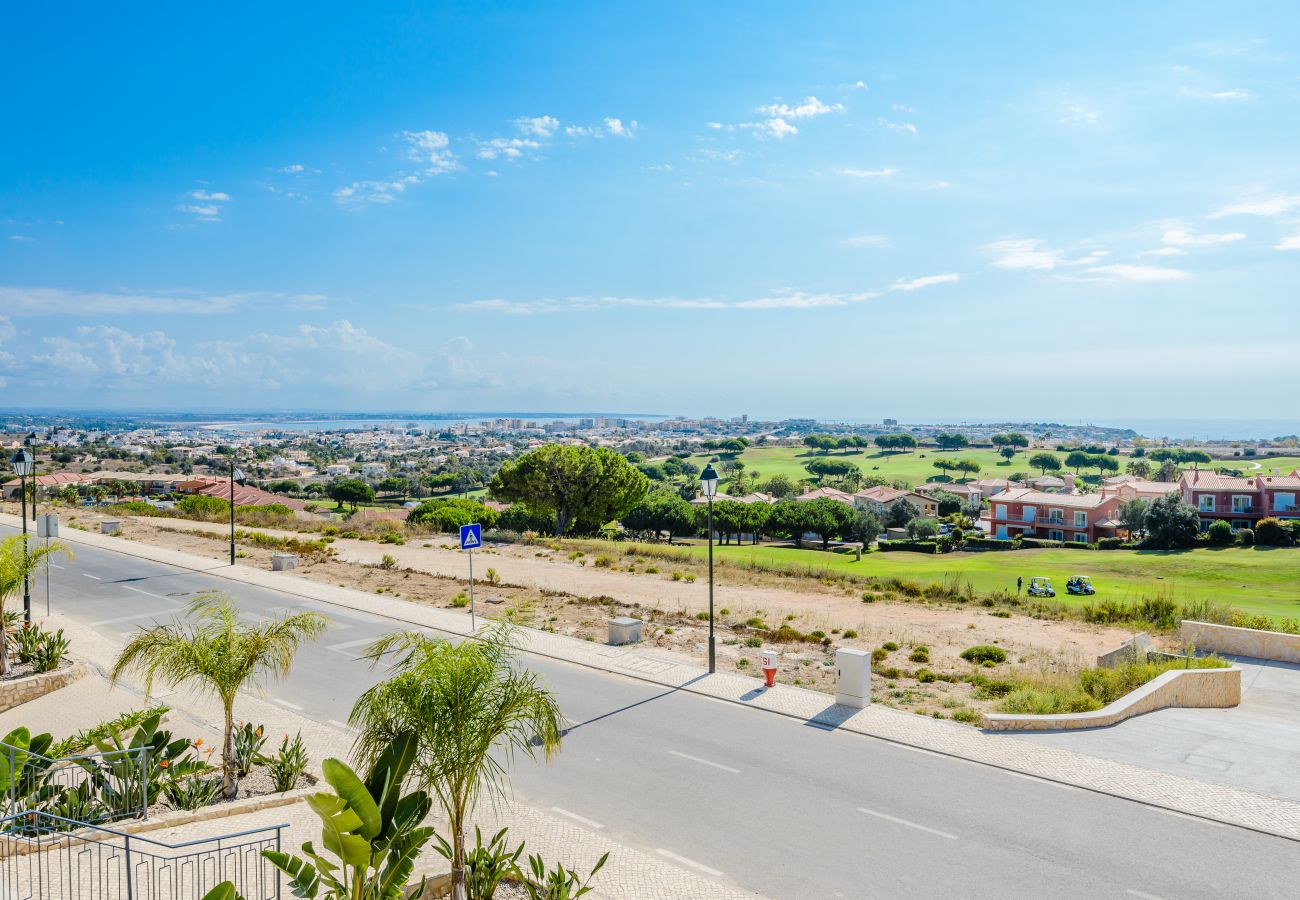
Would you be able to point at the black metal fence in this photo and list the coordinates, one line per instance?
(48, 857)
(86, 787)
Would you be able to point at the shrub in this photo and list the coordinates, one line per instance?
(890, 646)
(388, 561)
(702, 616)
(249, 740)
(753, 642)
(849, 633)
(677, 576)
(984, 543)
(742, 663)
(690, 579)
(604, 561)
(925, 676)
(755, 622)
(1109, 543)
(460, 601)
(1246, 537)
(967, 715)
(984, 653)
(878, 655)
(50, 652)
(920, 655)
(913, 546)
(1271, 532)
(492, 576)
(1220, 534)
(286, 766)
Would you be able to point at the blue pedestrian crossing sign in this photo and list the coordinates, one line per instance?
(471, 536)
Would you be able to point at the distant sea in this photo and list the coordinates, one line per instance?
(1207, 429)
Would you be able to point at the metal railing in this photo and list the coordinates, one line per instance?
(48, 857)
(89, 788)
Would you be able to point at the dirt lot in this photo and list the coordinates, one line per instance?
(574, 592)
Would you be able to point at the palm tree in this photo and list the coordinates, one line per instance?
(461, 701)
(18, 562)
(218, 653)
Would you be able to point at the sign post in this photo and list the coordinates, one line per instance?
(471, 537)
(47, 526)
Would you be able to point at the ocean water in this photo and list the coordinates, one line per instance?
(1208, 429)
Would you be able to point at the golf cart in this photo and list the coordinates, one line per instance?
(1040, 587)
(1081, 585)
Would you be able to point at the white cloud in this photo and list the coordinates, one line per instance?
(916, 284)
(1128, 272)
(38, 301)
(208, 206)
(1076, 112)
(1181, 237)
(777, 128)
(867, 173)
(867, 240)
(618, 128)
(431, 149)
(290, 170)
(539, 126)
(7, 330)
(782, 299)
(507, 148)
(1024, 254)
(1276, 205)
(897, 127)
(808, 109)
(720, 155)
(1232, 94)
(1164, 251)
(21, 237)
(1291, 242)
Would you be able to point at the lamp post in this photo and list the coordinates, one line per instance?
(23, 466)
(709, 487)
(235, 474)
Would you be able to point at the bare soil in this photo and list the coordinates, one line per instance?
(571, 591)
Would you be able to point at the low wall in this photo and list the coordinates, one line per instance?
(1241, 641)
(20, 690)
(1214, 688)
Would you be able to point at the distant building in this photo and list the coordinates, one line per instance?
(1080, 518)
(1241, 501)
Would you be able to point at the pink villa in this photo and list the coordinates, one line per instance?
(1240, 500)
(1080, 518)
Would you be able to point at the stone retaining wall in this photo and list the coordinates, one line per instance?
(1241, 641)
(1215, 688)
(19, 690)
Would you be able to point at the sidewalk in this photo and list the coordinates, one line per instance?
(1155, 788)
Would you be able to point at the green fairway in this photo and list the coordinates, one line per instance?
(916, 467)
(1260, 581)
(1260, 465)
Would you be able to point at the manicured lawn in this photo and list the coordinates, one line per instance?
(916, 467)
(1245, 464)
(1260, 581)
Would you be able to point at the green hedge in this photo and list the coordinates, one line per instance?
(1038, 543)
(989, 544)
(914, 546)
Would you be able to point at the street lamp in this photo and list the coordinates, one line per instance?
(709, 487)
(235, 475)
(23, 465)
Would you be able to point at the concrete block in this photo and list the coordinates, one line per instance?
(283, 562)
(1134, 649)
(110, 526)
(624, 630)
(853, 677)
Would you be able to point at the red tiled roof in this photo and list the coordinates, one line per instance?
(1204, 480)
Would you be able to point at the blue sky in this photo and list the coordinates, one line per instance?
(837, 210)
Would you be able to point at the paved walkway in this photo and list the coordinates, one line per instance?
(1157, 788)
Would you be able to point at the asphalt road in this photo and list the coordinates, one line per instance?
(777, 806)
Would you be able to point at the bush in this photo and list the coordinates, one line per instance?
(981, 653)
(849, 634)
(1271, 532)
(889, 645)
(1029, 543)
(983, 543)
(287, 766)
(920, 655)
(913, 546)
(925, 676)
(604, 561)
(878, 655)
(206, 509)
(460, 601)
(1109, 543)
(388, 561)
(967, 715)
(1246, 537)
(1220, 534)
(448, 514)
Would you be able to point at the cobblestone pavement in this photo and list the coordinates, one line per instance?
(1152, 787)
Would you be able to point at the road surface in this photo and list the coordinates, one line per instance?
(775, 805)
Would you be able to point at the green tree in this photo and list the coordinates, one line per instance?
(820, 468)
(1170, 523)
(283, 487)
(661, 511)
(1220, 533)
(471, 709)
(1105, 464)
(581, 485)
(1044, 461)
(1133, 516)
(866, 526)
(394, 485)
(951, 441)
(789, 518)
(1195, 457)
(1077, 459)
(781, 487)
(351, 491)
(1138, 468)
(1007, 453)
(728, 518)
(900, 512)
(19, 562)
(372, 829)
(826, 518)
(943, 464)
(922, 528)
(448, 514)
(220, 654)
(823, 442)
(949, 503)
(968, 467)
